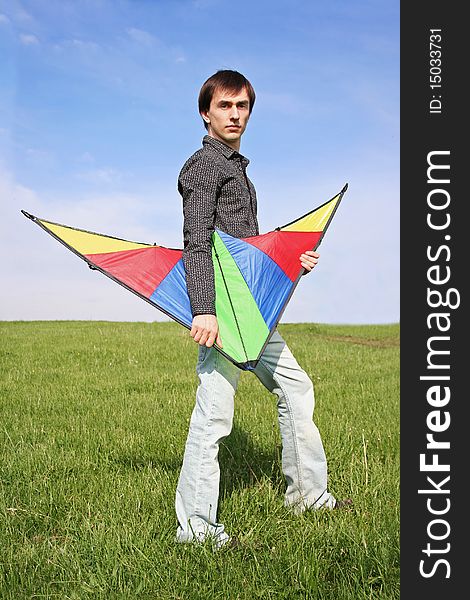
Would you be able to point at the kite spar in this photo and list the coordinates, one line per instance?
(255, 277)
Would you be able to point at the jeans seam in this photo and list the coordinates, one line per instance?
(294, 430)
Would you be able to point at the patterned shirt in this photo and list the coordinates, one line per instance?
(216, 193)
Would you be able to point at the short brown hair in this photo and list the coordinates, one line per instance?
(224, 79)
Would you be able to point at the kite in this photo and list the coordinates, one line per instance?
(255, 277)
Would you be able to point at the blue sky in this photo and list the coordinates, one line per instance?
(98, 112)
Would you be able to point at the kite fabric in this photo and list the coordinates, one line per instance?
(255, 277)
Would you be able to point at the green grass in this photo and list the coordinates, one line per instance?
(93, 421)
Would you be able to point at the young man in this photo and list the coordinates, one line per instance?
(217, 192)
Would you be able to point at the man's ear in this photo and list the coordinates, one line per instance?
(205, 117)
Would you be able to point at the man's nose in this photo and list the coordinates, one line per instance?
(234, 114)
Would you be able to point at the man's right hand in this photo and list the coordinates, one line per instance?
(205, 330)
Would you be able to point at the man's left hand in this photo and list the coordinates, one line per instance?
(309, 259)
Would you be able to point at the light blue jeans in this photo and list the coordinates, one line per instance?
(303, 456)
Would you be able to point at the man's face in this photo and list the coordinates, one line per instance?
(228, 116)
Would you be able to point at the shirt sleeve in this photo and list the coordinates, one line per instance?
(198, 184)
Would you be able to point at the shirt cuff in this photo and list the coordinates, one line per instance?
(204, 311)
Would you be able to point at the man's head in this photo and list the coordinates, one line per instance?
(225, 103)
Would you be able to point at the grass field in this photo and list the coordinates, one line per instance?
(94, 417)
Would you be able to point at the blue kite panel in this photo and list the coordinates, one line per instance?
(262, 276)
(172, 294)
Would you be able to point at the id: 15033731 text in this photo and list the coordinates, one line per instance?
(435, 70)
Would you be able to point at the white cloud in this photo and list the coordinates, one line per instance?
(106, 175)
(83, 44)
(23, 15)
(28, 39)
(86, 157)
(43, 280)
(142, 37)
(38, 153)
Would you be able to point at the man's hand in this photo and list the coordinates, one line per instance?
(309, 259)
(205, 330)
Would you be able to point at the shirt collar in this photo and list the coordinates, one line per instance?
(224, 149)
